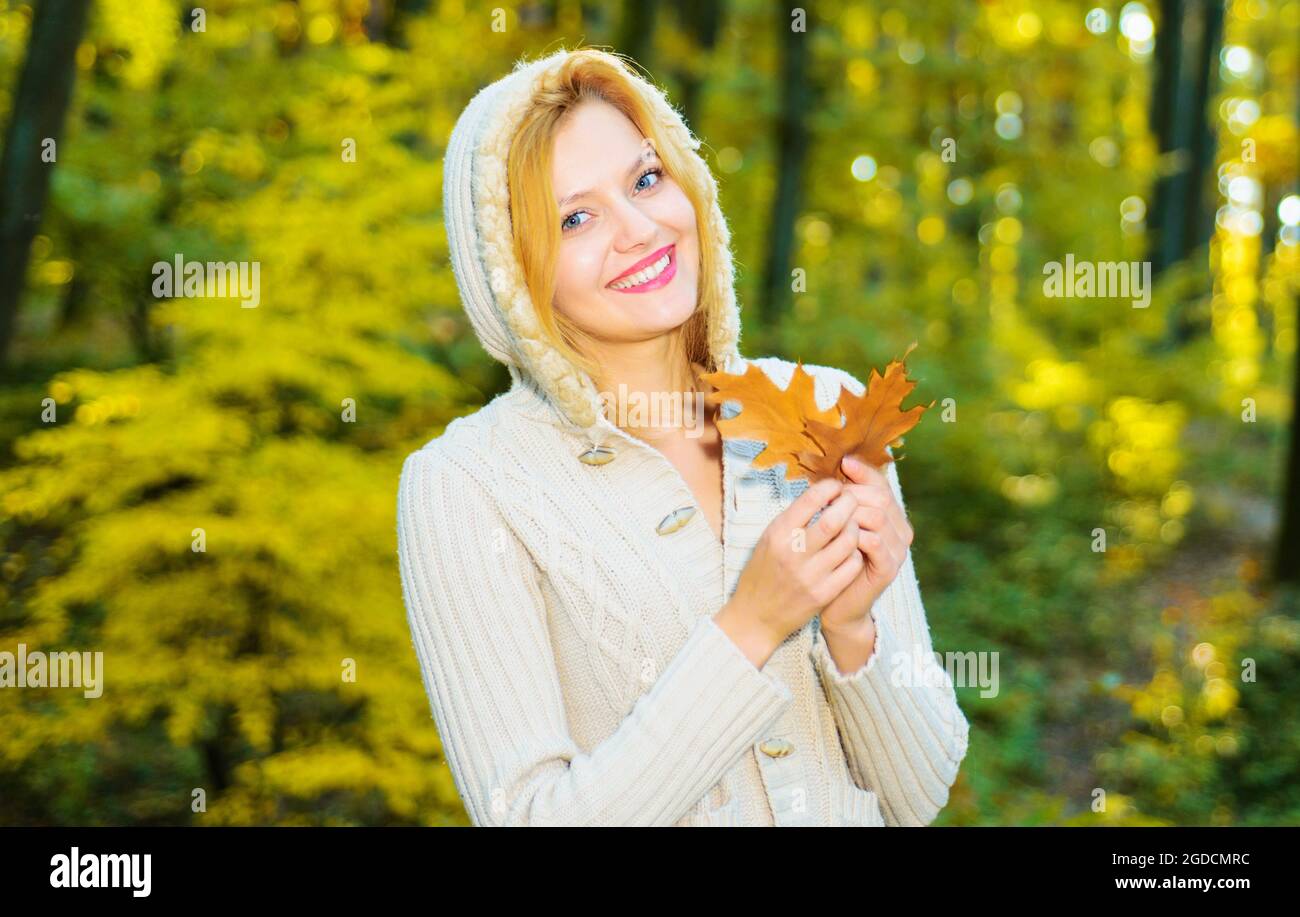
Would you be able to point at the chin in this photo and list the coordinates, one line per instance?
(666, 316)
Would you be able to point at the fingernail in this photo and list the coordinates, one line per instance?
(850, 461)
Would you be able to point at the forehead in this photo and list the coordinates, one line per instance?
(595, 141)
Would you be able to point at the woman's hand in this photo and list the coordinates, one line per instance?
(796, 570)
(884, 536)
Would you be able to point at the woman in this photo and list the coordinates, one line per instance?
(630, 625)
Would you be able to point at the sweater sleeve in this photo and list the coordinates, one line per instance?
(478, 623)
(904, 737)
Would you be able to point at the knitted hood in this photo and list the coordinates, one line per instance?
(476, 210)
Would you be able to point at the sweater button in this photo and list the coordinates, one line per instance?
(597, 455)
(776, 748)
(675, 520)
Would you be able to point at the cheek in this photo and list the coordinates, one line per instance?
(678, 211)
(577, 271)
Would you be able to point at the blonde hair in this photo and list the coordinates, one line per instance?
(593, 74)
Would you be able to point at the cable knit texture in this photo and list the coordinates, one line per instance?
(568, 648)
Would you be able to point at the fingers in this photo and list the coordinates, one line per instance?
(837, 549)
(842, 576)
(814, 498)
(889, 525)
(884, 531)
(863, 473)
(832, 523)
(885, 552)
(881, 499)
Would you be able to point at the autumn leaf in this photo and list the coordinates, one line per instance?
(809, 440)
(775, 416)
(873, 420)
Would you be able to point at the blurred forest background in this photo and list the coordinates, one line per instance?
(1161, 670)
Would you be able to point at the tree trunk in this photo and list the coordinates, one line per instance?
(792, 151)
(1182, 216)
(40, 107)
(377, 21)
(1286, 564)
(636, 30)
(1200, 206)
(702, 21)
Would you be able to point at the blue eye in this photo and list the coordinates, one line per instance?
(655, 172)
(565, 226)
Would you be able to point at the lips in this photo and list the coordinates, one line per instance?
(643, 263)
(666, 256)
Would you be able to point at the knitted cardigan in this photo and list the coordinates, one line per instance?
(565, 635)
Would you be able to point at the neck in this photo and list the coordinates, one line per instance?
(659, 398)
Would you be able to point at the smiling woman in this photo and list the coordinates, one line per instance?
(590, 149)
(616, 628)
(638, 232)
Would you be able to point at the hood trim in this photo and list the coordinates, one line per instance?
(476, 208)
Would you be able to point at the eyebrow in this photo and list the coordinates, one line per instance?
(640, 159)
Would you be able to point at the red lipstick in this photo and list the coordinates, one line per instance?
(655, 283)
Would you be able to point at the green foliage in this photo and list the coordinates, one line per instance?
(271, 437)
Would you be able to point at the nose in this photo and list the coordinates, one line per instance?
(633, 227)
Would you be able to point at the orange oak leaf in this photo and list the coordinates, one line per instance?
(775, 416)
(812, 441)
(873, 420)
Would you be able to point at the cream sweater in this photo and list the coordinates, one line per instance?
(576, 675)
(565, 635)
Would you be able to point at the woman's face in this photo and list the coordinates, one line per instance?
(631, 218)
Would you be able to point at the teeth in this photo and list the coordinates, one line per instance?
(642, 276)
